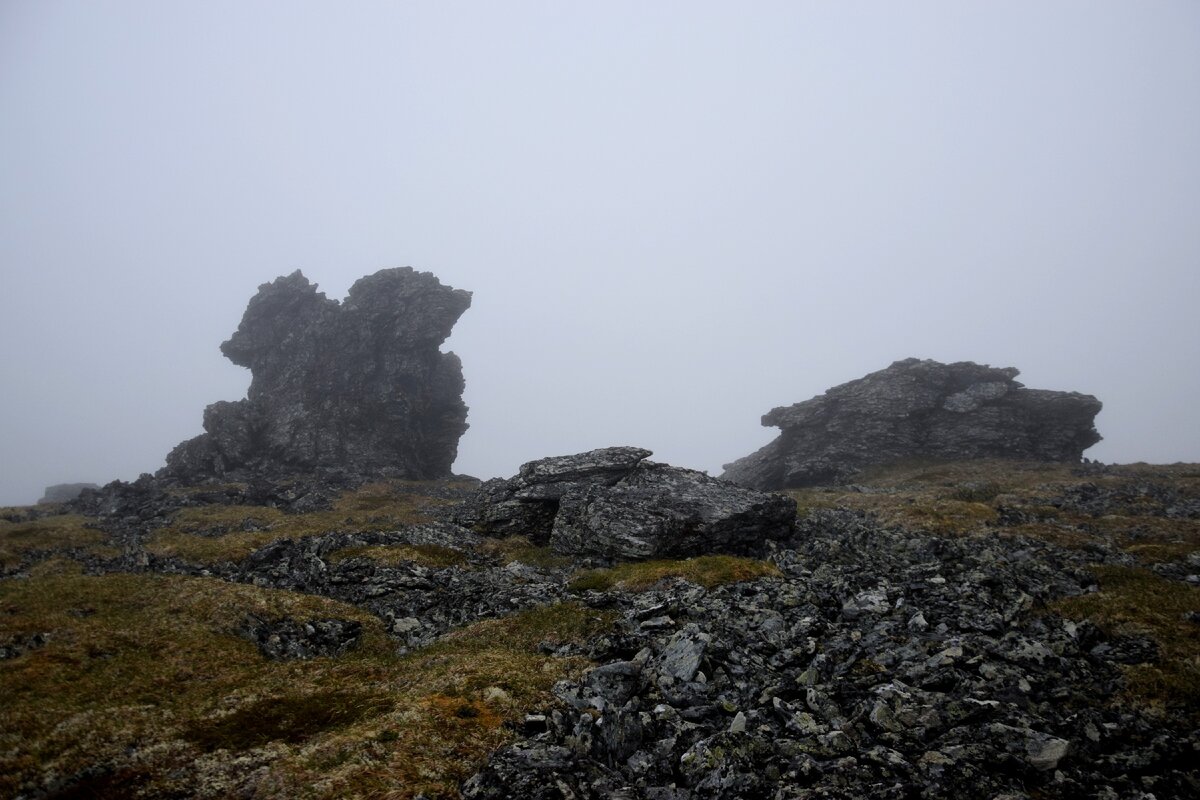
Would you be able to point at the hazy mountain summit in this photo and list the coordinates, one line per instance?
(359, 386)
(918, 409)
(284, 611)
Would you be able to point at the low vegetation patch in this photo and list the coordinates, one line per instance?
(52, 533)
(212, 534)
(519, 548)
(434, 556)
(1152, 540)
(1044, 501)
(976, 492)
(706, 571)
(144, 678)
(1136, 601)
(291, 718)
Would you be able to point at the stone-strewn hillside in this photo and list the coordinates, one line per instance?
(987, 628)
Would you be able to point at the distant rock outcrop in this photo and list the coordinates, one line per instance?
(65, 492)
(358, 386)
(611, 503)
(918, 409)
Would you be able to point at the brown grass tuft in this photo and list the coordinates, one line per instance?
(213, 533)
(706, 571)
(1136, 601)
(58, 532)
(151, 665)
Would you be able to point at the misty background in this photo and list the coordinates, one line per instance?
(673, 216)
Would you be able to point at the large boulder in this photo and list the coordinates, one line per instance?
(358, 387)
(915, 410)
(613, 504)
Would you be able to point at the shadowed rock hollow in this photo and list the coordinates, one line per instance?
(918, 409)
(359, 386)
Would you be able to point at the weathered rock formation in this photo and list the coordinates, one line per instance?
(65, 492)
(918, 409)
(358, 386)
(612, 503)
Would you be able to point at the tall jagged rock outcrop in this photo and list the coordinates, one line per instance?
(918, 409)
(357, 387)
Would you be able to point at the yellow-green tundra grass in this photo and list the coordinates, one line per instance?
(144, 683)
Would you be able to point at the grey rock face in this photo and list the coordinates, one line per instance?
(358, 386)
(611, 503)
(918, 409)
(65, 492)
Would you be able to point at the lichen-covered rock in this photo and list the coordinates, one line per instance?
(358, 386)
(612, 504)
(918, 409)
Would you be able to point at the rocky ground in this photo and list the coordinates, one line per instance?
(1002, 629)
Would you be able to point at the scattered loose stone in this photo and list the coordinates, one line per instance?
(853, 675)
(879, 662)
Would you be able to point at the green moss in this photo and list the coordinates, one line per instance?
(706, 571)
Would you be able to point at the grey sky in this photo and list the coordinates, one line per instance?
(673, 216)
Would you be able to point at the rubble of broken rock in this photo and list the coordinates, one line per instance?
(883, 660)
(881, 664)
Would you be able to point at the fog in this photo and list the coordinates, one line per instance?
(673, 216)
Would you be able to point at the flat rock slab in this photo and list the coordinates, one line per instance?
(612, 503)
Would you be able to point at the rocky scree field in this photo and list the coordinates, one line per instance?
(999, 628)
